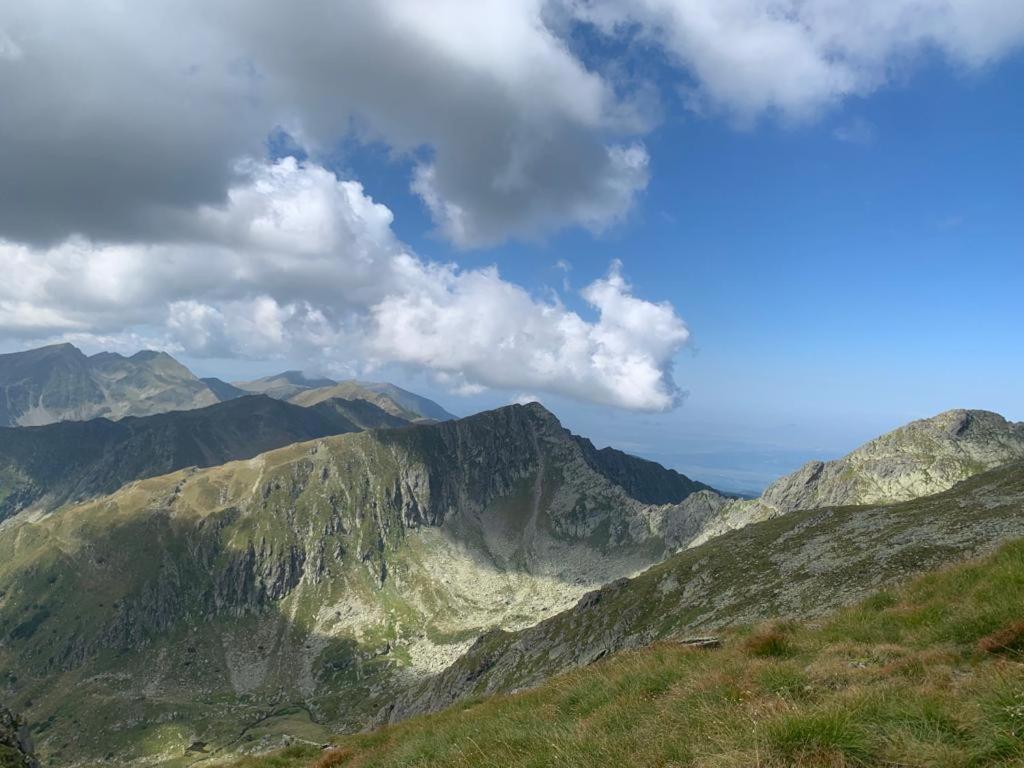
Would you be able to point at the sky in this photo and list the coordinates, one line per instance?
(728, 235)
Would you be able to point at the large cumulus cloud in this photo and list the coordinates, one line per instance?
(297, 261)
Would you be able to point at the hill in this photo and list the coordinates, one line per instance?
(44, 467)
(299, 588)
(59, 383)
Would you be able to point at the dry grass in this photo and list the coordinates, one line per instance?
(1006, 640)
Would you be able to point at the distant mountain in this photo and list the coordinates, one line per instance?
(921, 458)
(60, 383)
(283, 385)
(306, 583)
(297, 388)
(44, 467)
(410, 401)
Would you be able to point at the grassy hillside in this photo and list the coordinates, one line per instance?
(927, 675)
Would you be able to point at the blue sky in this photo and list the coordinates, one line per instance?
(836, 287)
(829, 198)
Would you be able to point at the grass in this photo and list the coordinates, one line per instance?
(926, 675)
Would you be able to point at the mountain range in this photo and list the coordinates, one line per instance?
(303, 557)
(60, 383)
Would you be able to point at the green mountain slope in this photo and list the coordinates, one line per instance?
(44, 467)
(798, 565)
(930, 674)
(59, 383)
(921, 458)
(298, 590)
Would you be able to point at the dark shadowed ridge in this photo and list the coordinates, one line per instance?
(49, 465)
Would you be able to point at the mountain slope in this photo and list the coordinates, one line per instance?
(298, 588)
(921, 458)
(410, 401)
(927, 675)
(350, 390)
(283, 385)
(223, 390)
(797, 565)
(44, 467)
(59, 383)
(15, 743)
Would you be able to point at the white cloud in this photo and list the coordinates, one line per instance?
(796, 57)
(298, 262)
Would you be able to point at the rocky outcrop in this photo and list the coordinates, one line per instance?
(922, 458)
(15, 742)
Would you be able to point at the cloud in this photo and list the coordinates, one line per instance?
(297, 262)
(798, 57)
(118, 115)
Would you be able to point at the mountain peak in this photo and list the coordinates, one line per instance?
(921, 458)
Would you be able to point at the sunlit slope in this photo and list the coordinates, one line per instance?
(926, 675)
(316, 581)
(798, 565)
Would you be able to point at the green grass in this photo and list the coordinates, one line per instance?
(927, 675)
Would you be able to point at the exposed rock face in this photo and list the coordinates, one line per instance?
(802, 564)
(15, 742)
(329, 573)
(44, 467)
(924, 457)
(59, 383)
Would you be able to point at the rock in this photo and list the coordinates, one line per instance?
(16, 750)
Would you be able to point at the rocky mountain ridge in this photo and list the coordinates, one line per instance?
(325, 574)
(921, 458)
(801, 564)
(60, 383)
